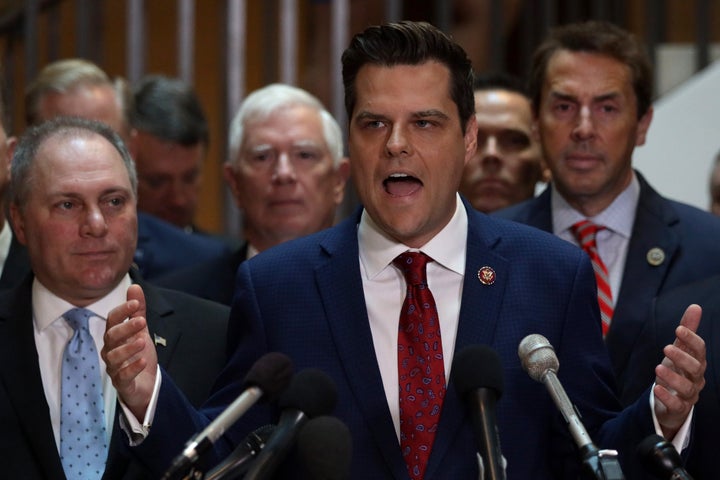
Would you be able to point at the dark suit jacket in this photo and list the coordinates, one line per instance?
(163, 247)
(305, 298)
(659, 330)
(212, 280)
(687, 235)
(17, 265)
(193, 353)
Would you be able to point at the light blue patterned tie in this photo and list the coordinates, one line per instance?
(83, 443)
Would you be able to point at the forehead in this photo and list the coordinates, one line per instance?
(292, 124)
(497, 108)
(84, 155)
(95, 102)
(584, 73)
(403, 88)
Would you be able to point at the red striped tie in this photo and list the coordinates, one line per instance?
(585, 233)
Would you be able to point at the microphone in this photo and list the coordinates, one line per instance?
(478, 378)
(540, 362)
(268, 376)
(325, 448)
(243, 454)
(311, 393)
(661, 459)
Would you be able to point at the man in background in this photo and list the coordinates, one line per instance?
(14, 263)
(170, 143)
(73, 205)
(75, 87)
(287, 173)
(591, 85)
(507, 166)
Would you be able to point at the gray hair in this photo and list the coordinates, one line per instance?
(264, 102)
(65, 75)
(23, 161)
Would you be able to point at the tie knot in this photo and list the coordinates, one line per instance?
(412, 264)
(77, 317)
(585, 231)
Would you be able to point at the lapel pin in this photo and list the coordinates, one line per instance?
(486, 275)
(160, 340)
(655, 256)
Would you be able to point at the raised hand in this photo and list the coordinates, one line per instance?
(129, 353)
(680, 376)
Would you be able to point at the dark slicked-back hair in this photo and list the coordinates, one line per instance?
(169, 109)
(597, 37)
(409, 43)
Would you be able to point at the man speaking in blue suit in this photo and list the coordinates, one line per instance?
(333, 300)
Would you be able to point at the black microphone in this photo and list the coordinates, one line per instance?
(243, 454)
(660, 458)
(311, 393)
(325, 448)
(540, 362)
(268, 376)
(478, 378)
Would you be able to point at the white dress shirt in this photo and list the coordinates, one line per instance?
(52, 333)
(5, 241)
(384, 287)
(612, 242)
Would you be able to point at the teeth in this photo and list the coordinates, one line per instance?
(398, 175)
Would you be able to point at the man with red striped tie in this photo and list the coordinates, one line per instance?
(591, 90)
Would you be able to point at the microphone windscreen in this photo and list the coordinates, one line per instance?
(271, 373)
(311, 391)
(658, 456)
(477, 366)
(325, 448)
(537, 356)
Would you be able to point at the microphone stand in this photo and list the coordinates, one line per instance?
(600, 464)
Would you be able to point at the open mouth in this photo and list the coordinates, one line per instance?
(401, 185)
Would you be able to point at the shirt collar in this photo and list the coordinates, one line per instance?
(5, 241)
(48, 307)
(618, 217)
(447, 248)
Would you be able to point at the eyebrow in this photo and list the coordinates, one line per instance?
(365, 115)
(573, 98)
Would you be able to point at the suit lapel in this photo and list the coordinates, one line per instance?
(166, 337)
(20, 375)
(479, 316)
(347, 316)
(650, 231)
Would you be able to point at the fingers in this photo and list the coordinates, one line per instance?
(134, 307)
(691, 317)
(681, 375)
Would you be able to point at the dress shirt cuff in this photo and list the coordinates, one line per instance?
(136, 431)
(682, 437)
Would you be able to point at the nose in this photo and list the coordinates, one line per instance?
(490, 156)
(585, 127)
(94, 223)
(397, 144)
(284, 170)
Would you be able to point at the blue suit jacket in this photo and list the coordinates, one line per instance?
(687, 235)
(305, 298)
(659, 330)
(163, 248)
